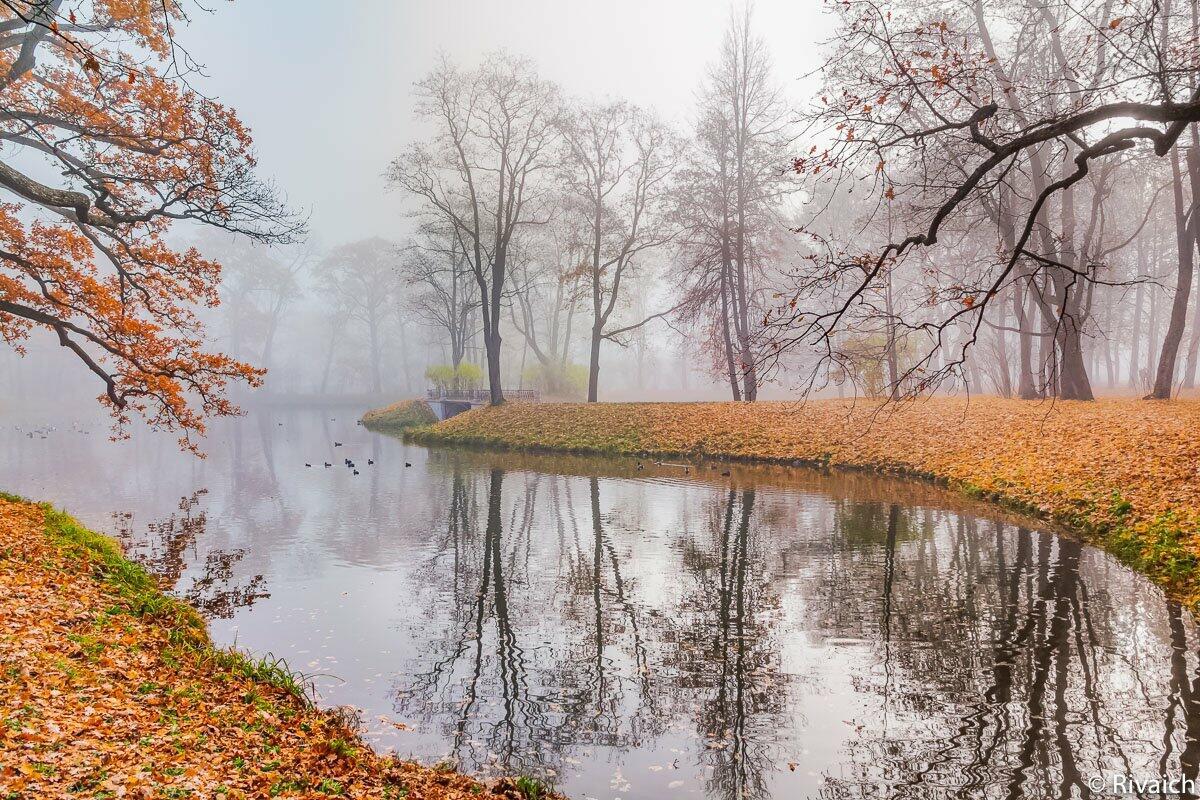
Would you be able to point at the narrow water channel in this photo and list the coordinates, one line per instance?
(644, 632)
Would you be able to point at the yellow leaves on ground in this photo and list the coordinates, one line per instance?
(99, 700)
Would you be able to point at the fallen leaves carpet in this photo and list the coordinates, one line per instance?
(109, 689)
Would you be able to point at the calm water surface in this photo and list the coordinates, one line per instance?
(649, 633)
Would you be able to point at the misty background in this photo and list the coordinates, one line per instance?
(329, 101)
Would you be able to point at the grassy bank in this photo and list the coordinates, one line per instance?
(109, 688)
(1122, 473)
(400, 416)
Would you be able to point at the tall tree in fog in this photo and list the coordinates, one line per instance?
(1185, 179)
(359, 283)
(445, 294)
(616, 166)
(482, 172)
(733, 188)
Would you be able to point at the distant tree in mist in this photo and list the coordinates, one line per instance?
(547, 296)
(444, 292)
(616, 169)
(259, 285)
(359, 283)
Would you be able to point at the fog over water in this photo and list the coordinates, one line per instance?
(642, 633)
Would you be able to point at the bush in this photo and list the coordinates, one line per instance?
(468, 376)
(569, 382)
(440, 375)
(446, 377)
(398, 416)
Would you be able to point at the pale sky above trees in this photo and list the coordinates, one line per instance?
(329, 95)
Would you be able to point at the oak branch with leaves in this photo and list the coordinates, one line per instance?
(100, 91)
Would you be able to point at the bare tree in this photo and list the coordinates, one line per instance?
(481, 172)
(546, 295)
(936, 118)
(446, 295)
(616, 167)
(731, 200)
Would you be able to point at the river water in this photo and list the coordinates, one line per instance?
(648, 631)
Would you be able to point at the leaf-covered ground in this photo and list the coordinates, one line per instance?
(110, 689)
(401, 415)
(1126, 473)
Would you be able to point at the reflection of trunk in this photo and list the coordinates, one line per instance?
(1005, 652)
(1051, 615)
(597, 572)
(1185, 696)
(736, 774)
(889, 569)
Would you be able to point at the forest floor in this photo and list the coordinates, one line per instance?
(109, 688)
(1125, 474)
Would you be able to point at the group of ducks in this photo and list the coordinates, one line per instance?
(687, 470)
(349, 463)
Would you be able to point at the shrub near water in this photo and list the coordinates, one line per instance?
(398, 416)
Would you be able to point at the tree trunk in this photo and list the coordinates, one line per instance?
(1164, 377)
(1072, 372)
(376, 375)
(491, 344)
(1193, 163)
(594, 366)
(728, 341)
(1026, 386)
(329, 357)
(1136, 334)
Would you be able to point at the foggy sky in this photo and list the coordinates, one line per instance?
(327, 93)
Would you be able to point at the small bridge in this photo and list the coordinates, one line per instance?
(448, 402)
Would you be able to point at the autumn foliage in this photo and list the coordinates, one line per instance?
(99, 91)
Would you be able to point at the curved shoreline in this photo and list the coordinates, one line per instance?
(114, 687)
(1120, 474)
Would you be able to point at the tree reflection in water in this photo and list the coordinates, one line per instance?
(982, 659)
(169, 544)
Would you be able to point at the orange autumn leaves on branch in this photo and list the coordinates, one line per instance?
(100, 91)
